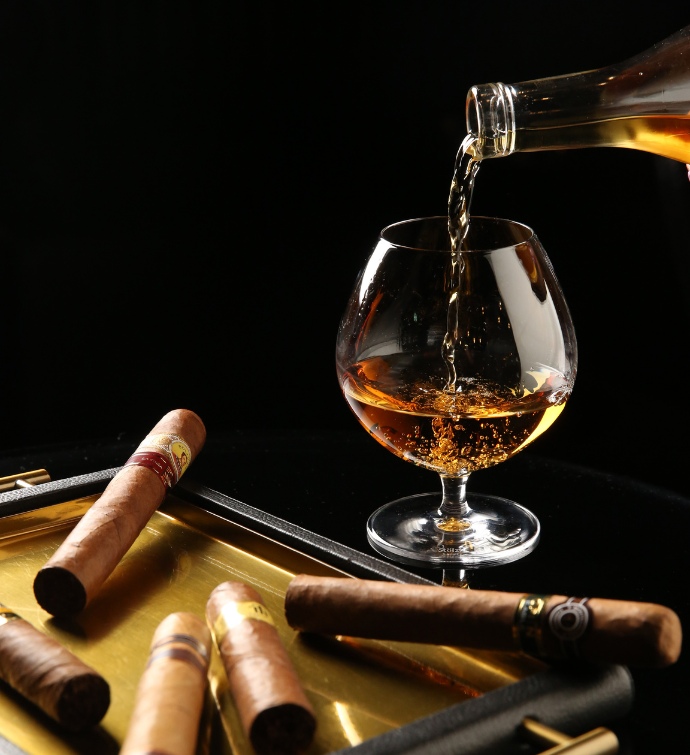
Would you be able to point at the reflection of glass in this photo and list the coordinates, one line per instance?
(455, 361)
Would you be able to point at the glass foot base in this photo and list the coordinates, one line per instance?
(412, 531)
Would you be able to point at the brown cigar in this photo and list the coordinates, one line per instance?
(170, 695)
(92, 550)
(273, 708)
(552, 627)
(49, 675)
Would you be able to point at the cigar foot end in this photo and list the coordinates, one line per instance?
(283, 730)
(84, 701)
(59, 592)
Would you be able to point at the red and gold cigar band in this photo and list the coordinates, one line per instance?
(167, 455)
(165, 648)
(233, 613)
(567, 622)
(7, 615)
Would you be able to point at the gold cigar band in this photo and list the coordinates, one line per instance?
(233, 613)
(527, 623)
(7, 615)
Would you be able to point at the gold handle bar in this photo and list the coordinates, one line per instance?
(24, 480)
(599, 741)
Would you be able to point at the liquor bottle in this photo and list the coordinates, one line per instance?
(642, 103)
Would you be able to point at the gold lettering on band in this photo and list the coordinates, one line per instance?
(234, 613)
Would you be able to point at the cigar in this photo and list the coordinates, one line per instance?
(551, 627)
(47, 674)
(92, 550)
(272, 705)
(170, 695)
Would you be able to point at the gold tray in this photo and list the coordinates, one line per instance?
(196, 540)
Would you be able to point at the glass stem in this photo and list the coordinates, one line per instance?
(454, 501)
(455, 578)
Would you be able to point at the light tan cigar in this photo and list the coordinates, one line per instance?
(92, 550)
(273, 708)
(553, 627)
(170, 695)
(49, 675)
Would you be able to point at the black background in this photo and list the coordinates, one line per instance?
(187, 191)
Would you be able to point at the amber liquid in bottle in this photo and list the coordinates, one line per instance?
(663, 135)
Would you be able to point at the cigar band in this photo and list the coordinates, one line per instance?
(527, 623)
(7, 615)
(165, 454)
(178, 654)
(235, 612)
(187, 639)
(568, 621)
(167, 647)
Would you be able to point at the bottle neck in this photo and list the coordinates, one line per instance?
(490, 115)
(535, 115)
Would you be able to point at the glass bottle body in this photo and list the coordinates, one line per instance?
(642, 103)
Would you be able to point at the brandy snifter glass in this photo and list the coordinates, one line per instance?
(455, 361)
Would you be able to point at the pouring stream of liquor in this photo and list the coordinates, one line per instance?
(459, 200)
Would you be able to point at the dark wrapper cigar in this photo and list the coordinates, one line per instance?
(170, 695)
(92, 550)
(49, 675)
(552, 627)
(271, 703)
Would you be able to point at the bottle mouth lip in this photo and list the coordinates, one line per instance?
(490, 118)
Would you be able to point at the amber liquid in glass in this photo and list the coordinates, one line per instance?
(457, 432)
